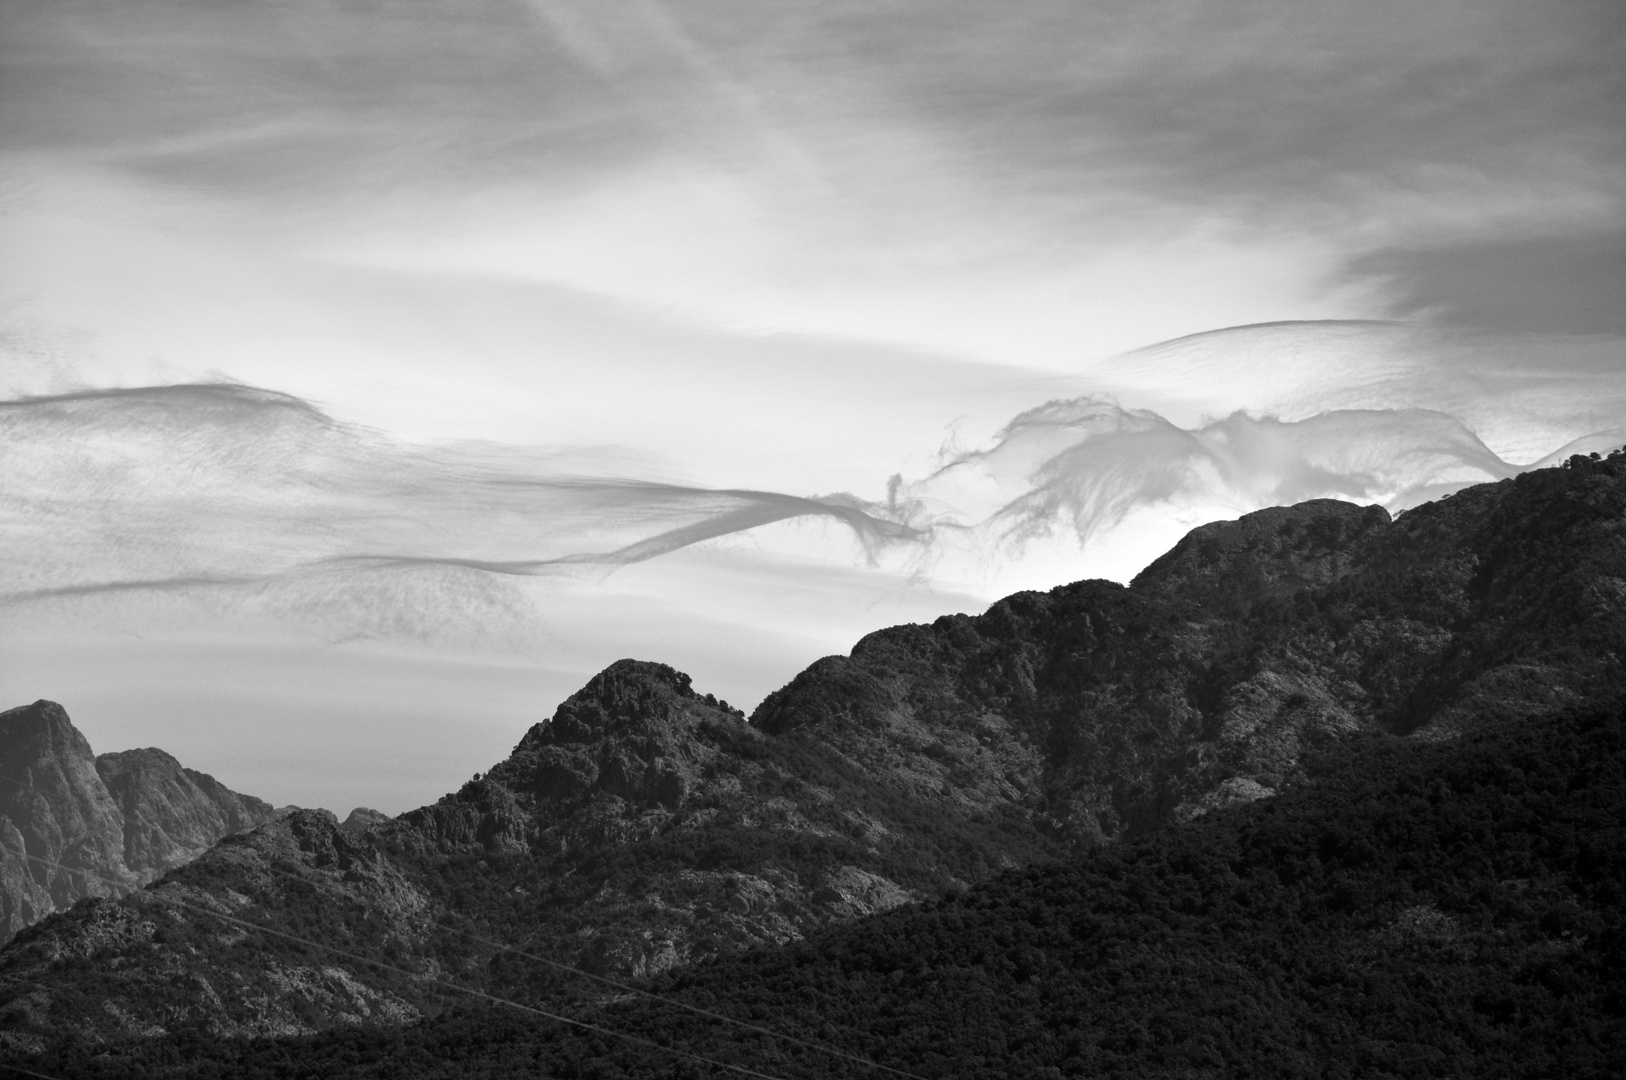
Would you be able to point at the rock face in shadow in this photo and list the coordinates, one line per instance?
(54, 807)
(173, 814)
(647, 826)
(74, 825)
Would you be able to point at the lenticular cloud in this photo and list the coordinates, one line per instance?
(225, 495)
(1523, 394)
(1084, 465)
(221, 487)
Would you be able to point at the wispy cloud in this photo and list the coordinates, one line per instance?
(1523, 394)
(1029, 182)
(1241, 98)
(220, 487)
(1084, 465)
(233, 546)
(1086, 487)
(236, 492)
(747, 239)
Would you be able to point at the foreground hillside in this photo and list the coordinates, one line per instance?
(1421, 909)
(97, 825)
(647, 828)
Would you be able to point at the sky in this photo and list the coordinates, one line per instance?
(373, 373)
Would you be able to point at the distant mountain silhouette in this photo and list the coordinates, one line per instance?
(108, 823)
(646, 828)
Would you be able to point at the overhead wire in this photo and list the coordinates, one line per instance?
(27, 1072)
(564, 968)
(697, 1010)
(421, 978)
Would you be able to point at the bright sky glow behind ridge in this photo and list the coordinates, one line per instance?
(1021, 291)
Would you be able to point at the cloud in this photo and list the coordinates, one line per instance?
(1386, 117)
(261, 501)
(1522, 393)
(246, 558)
(1241, 97)
(1086, 464)
(910, 171)
(1569, 284)
(1085, 476)
(269, 592)
(528, 220)
(196, 489)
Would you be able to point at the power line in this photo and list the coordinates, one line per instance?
(631, 989)
(27, 1072)
(565, 968)
(418, 977)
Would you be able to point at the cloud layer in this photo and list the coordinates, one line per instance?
(1081, 467)
(1025, 182)
(197, 487)
(256, 496)
(202, 561)
(736, 253)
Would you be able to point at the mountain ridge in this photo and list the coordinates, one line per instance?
(645, 828)
(1359, 925)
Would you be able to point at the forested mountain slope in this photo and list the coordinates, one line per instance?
(646, 827)
(1419, 909)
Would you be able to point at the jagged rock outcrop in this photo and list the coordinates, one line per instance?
(363, 818)
(61, 833)
(74, 825)
(647, 826)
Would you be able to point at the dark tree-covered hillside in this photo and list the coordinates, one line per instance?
(1445, 909)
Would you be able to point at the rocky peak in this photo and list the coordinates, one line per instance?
(830, 692)
(75, 825)
(61, 833)
(39, 734)
(635, 731)
(172, 814)
(1227, 566)
(363, 818)
(630, 698)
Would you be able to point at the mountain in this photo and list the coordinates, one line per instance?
(97, 826)
(1420, 909)
(647, 828)
(363, 818)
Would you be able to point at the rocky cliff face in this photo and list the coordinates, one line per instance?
(109, 824)
(54, 807)
(172, 814)
(646, 825)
